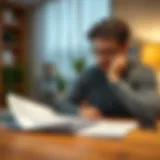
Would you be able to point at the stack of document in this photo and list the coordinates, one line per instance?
(31, 115)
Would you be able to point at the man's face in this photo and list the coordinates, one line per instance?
(107, 50)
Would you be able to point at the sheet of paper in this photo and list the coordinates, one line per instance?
(31, 115)
(111, 129)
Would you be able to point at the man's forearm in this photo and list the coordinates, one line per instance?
(141, 104)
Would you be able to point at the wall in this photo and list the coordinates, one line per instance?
(142, 15)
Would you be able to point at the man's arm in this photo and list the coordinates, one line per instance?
(143, 102)
(76, 100)
(77, 93)
(79, 90)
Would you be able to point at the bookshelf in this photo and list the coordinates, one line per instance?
(13, 43)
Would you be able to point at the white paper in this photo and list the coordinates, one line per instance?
(111, 129)
(31, 115)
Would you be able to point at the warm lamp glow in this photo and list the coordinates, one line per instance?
(150, 55)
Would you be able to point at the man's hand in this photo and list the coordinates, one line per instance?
(117, 67)
(88, 111)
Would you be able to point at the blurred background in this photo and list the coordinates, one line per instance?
(41, 37)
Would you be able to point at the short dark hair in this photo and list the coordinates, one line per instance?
(111, 28)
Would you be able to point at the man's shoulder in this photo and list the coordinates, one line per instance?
(134, 65)
(141, 69)
(142, 73)
(89, 74)
(91, 71)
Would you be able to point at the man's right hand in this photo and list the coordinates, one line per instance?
(117, 67)
(88, 111)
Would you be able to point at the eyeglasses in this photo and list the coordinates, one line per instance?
(106, 52)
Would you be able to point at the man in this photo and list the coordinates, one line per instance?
(113, 87)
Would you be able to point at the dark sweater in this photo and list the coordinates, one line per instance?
(134, 95)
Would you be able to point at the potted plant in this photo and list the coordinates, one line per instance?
(79, 64)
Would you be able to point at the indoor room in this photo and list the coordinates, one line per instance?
(79, 79)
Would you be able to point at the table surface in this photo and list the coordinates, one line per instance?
(139, 145)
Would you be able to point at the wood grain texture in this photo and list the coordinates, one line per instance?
(139, 145)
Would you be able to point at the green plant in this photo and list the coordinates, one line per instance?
(61, 83)
(11, 77)
(79, 64)
(8, 79)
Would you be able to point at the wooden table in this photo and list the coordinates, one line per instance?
(139, 145)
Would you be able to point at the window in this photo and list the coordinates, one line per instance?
(65, 23)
